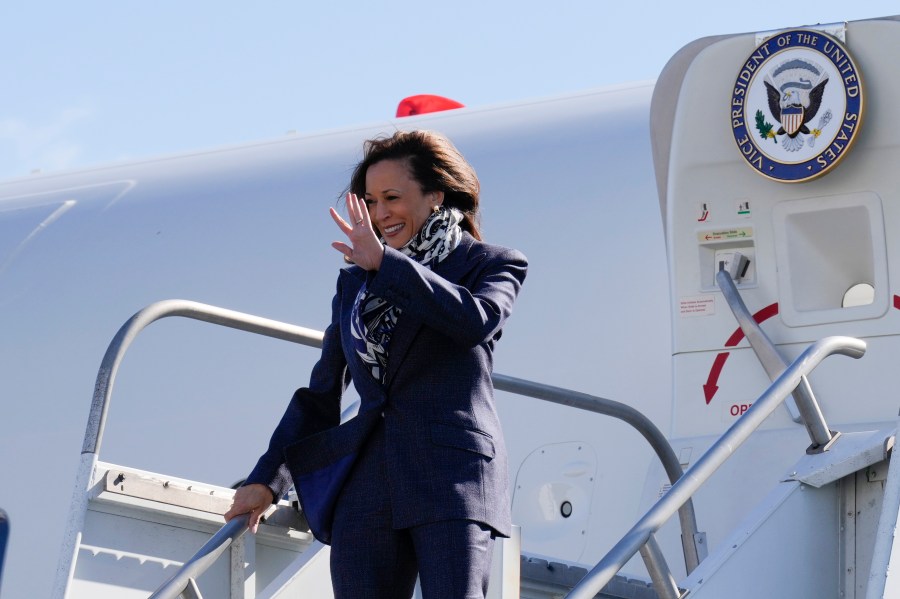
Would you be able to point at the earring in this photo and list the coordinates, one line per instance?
(436, 208)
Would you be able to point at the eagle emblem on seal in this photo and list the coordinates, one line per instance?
(794, 89)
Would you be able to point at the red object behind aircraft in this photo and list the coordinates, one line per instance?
(425, 103)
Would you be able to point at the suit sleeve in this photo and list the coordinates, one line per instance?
(470, 315)
(311, 409)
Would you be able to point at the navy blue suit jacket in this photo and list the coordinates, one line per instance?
(445, 453)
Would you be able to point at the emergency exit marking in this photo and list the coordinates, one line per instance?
(725, 234)
(730, 413)
(738, 409)
(743, 209)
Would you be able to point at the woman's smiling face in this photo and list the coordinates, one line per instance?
(397, 206)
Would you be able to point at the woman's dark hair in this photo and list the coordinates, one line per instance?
(435, 163)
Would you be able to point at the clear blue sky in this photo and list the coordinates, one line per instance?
(94, 81)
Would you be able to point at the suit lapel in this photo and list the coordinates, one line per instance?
(452, 269)
(352, 280)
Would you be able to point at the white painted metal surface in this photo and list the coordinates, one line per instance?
(807, 240)
(556, 508)
(884, 574)
(780, 550)
(855, 452)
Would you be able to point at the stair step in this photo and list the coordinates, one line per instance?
(543, 579)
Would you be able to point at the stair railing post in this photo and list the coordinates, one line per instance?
(774, 364)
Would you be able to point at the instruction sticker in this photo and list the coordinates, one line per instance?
(697, 305)
(725, 234)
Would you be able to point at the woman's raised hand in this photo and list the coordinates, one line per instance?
(364, 249)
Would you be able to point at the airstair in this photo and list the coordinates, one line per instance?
(134, 533)
(825, 529)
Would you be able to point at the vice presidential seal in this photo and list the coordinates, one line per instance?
(797, 105)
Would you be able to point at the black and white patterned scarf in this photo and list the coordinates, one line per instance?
(373, 319)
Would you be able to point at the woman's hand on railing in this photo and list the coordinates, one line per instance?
(251, 499)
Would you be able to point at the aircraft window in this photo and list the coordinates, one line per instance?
(861, 294)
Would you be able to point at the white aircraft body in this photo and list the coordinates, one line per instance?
(622, 301)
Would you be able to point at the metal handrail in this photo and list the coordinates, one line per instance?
(762, 346)
(187, 309)
(693, 554)
(115, 353)
(806, 407)
(663, 582)
(203, 559)
(710, 461)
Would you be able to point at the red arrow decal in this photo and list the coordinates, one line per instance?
(760, 317)
(897, 301)
(710, 388)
